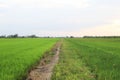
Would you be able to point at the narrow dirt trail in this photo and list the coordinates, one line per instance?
(44, 70)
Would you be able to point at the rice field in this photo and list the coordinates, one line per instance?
(17, 56)
(79, 59)
(89, 59)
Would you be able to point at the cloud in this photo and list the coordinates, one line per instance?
(3, 5)
(116, 22)
(1, 14)
(111, 29)
(63, 17)
(3, 8)
(52, 3)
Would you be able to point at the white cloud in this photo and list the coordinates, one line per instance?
(113, 28)
(64, 17)
(116, 22)
(1, 14)
(52, 3)
(3, 5)
(77, 20)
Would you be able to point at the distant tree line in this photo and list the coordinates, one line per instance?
(34, 36)
(101, 37)
(28, 36)
(17, 36)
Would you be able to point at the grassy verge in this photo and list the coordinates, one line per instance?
(89, 59)
(70, 66)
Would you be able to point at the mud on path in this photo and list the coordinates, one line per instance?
(44, 69)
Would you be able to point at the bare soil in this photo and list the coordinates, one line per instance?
(45, 68)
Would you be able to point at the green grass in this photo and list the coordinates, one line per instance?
(89, 59)
(17, 56)
(80, 59)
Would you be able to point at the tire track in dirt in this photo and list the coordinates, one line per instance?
(44, 70)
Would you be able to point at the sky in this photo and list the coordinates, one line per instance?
(60, 17)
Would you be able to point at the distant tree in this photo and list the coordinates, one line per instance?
(48, 36)
(71, 36)
(13, 36)
(9, 36)
(32, 36)
(67, 36)
(3, 36)
(22, 37)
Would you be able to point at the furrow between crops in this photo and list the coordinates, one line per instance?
(44, 69)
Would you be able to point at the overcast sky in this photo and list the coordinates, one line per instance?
(60, 17)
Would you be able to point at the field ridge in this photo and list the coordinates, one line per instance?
(44, 69)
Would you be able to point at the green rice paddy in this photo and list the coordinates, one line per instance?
(89, 59)
(17, 56)
(80, 58)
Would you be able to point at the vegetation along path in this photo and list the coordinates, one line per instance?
(44, 70)
(89, 59)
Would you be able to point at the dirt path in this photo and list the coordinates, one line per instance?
(44, 70)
